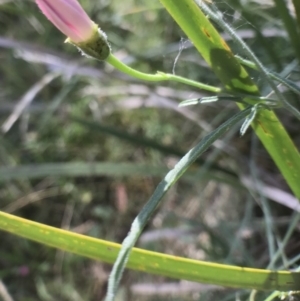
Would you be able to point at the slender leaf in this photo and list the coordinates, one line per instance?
(93, 169)
(218, 55)
(151, 262)
(143, 141)
(142, 218)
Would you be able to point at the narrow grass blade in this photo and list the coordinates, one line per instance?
(142, 218)
(218, 55)
(142, 141)
(151, 262)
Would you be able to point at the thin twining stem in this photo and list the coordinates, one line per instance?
(159, 76)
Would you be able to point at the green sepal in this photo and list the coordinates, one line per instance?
(96, 47)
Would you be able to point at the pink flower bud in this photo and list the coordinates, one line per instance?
(69, 17)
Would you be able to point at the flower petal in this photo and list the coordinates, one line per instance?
(69, 17)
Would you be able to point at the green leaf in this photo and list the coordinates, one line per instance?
(151, 262)
(120, 169)
(218, 55)
(163, 187)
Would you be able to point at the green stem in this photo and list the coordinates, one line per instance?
(284, 81)
(274, 295)
(159, 76)
(252, 295)
(292, 86)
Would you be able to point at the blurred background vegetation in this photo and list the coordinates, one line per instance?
(83, 148)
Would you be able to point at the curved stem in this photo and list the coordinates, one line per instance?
(159, 76)
(272, 296)
(252, 295)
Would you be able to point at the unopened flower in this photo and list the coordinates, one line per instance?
(70, 18)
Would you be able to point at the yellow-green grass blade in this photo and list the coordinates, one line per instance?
(152, 262)
(217, 54)
(211, 45)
